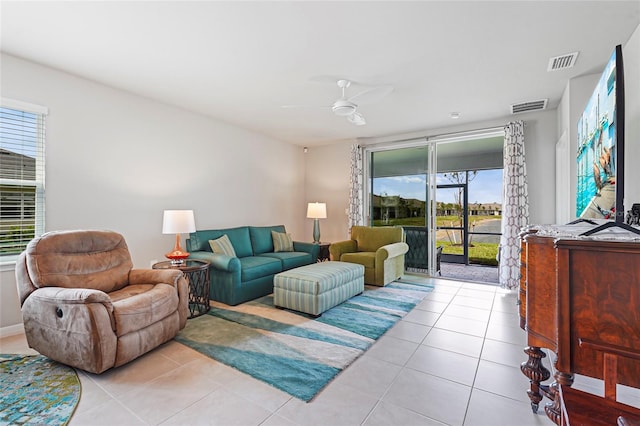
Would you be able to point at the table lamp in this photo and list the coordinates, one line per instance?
(316, 211)
(178, 222)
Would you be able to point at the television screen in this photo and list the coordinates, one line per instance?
(600, 149)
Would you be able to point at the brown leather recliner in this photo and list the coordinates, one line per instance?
(84, 305)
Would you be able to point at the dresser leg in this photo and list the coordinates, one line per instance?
(536, 373)
(553, 409)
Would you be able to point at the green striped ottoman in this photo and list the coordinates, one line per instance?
(317, 287)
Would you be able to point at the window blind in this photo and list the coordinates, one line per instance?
(22, 142)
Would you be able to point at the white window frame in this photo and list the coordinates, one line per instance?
(39, 182)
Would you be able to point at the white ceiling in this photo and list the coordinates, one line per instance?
(241, 61)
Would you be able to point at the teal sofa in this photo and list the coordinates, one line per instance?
(234, 280)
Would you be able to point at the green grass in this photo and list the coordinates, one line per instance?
(449, 221)
(407, 221)
(479, 253)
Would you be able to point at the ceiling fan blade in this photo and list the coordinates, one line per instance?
(371, 95)
(356, 119)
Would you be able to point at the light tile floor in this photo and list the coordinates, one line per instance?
(453, 360)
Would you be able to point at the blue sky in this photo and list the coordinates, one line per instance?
(486, 187)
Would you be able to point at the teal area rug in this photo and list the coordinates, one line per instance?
(36, 390)
(293, 351)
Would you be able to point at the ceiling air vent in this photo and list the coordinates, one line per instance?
(562, 62)
(529, 106)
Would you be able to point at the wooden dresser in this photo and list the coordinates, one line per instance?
(580, 298)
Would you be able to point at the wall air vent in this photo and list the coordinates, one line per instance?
(529, 106)
(562, 62)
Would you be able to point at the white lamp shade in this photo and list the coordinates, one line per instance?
(178, 222)
(317, 211)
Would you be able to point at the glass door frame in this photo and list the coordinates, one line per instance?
(464, 237)
(430, 188)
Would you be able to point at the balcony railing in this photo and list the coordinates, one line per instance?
(417, 237)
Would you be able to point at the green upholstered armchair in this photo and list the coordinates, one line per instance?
(380, 249)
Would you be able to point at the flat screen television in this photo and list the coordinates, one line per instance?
(600, 149)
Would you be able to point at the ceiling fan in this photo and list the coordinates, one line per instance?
(348, 106)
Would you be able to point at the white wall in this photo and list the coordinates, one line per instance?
(116, 161)
(327, 180)
(631, 57)
(563, 179)
(327, 170)
(574, 99)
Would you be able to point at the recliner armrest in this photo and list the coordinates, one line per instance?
(172, 277)
(391, 250)
(155, 276)
(72, 295)
(47, 302)
(338, 249)
(75, 326)
(217, 261)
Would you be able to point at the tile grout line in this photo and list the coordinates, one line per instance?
(475, 376)
(404, 366)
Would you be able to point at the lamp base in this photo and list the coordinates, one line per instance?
(177, 255)
(316, 231)
(177, 258)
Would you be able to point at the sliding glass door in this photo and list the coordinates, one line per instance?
(400, 189)
(443, 191)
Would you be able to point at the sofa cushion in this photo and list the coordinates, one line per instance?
(261, 239)
(253, 267)
(239, 237)
(222, 245)
(281, 241)
(139, 305)
(365, 258)
(291, 259)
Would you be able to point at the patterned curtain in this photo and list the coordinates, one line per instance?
(356, 180)
(515, 204)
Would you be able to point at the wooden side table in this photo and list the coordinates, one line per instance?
(324, 255)
(196, 272)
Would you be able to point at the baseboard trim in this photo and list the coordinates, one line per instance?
(11, 330)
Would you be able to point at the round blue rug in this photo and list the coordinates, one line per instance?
(36, 390)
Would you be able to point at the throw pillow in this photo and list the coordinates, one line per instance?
(281, 241)
(222, 245)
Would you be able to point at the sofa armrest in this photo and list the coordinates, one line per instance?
(391, 250)
(338, 249)
(217, 261)
(311, 248)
